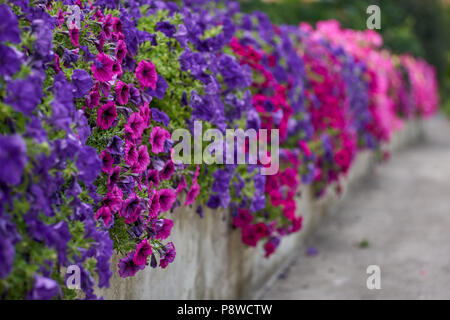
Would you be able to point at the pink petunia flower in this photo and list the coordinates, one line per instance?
(144, 112)
(122, 92)
(106, 115)
(142, 161)
(131, 209)
(153, 205)
(143, 250)
(107, 161)
(113, 199)
(167, 198)
(102, 68)
(153, 176)
(192, 193)
(157, 138)
(135, 126)
(168, 170)
(164, 227)
(105, 214)
(93, 99)
(121, 51)
(131, 154)
(146, 74)
(74, 34)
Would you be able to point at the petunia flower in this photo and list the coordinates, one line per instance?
(131, 209)
(163, 228)
(135, 126)
(157, 138)
(106, 115)
(146, 74)
(127, 267)
(131, 154)
(121, 51)
(168, 255)
(105, 214)
(74, 34)
(168, 170)
(122, 92)
(102, 68)
(153, 205)
(107, 161)
(167, 198)
(142, 161)
(143, 250)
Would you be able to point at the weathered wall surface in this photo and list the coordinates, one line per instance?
(211, 261)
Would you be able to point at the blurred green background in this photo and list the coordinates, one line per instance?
(421, 27)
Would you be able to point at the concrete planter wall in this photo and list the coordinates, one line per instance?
(211, 261)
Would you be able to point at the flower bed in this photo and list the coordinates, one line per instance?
(90, 102)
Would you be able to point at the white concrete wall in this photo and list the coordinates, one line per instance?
(211, 261)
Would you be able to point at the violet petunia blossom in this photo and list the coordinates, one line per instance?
(13, 159)
(81, 82)
(102, 68)
(135, 126)
(131, 154)
(121, 50)
(10, 61)
(74, 34)
(153, 205)
(44, 289)
(107, 161)
(160, 116)
(146, 74)
(131, 209)
(143, 250)
(24, 94)
(106, 115)
(163, 228)
(168, 170)
(9, 26)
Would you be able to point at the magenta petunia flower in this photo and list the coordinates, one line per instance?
(131, 209)
(144, 112)
(153, 176)
(142, 161)
(153, 205)
(192, 194)
(157, 138)
(168, 255)
(107, 161)
(114, 176)
(106, 115)
(127, 267)
(131, 154)
(102, 68)
(167, 198)
(93, 99)
(113, 199)
(146, 74)
(117, 69)
(168, 170)
(74, 34)
(135, 126)
(122, 92)
(105, 214)
(121, 50)
(143, 250)
(164, 229)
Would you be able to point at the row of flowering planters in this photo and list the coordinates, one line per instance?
(92, 91)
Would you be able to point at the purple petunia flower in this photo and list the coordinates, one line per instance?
(161, 88)
(9, 26)
(74, 34)
(9, 60)
(131, 209)
(44, 289)
(107, 161)
(160, 116)
(168, 255)
(105, 214)
(102, 68)
(143, 250)
(24, 94)
(127, 267)
(81, 82)
(166, 27)
(13, 158)
(88, 164)
(163, 228)
(146, 74)
(131, 154)
(106, 115)
(153, 206)
(121, 50)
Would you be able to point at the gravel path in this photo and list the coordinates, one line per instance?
(398, 219)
